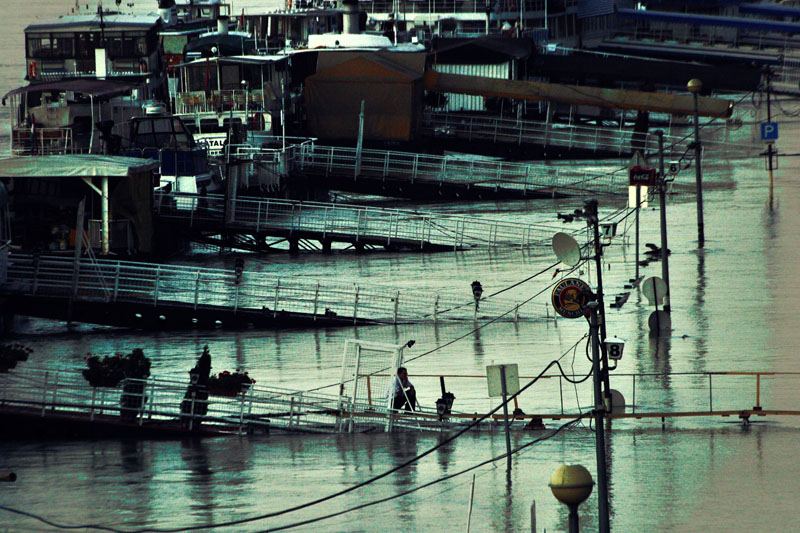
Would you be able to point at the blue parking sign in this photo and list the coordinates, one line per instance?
(769, 131)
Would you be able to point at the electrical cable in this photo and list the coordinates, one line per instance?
(313, 502)
(550, 435)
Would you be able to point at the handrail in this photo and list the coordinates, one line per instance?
(410, 166)
(354, 222)
(53, 392)
(111, 281)
(700, 405)
(571, 136)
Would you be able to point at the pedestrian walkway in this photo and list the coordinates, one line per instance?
(414, 175)
(358, 226)
(144, 295)
(598, 140)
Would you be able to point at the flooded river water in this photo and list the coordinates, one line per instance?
(732, 310)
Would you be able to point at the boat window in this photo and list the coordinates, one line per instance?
(85, 44)
(231, 80)
(39, 45)
(162, 130)
(173, 44)
(209, 125)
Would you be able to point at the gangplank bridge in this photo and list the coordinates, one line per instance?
(568, 139)
(326, 223)
(430, 177)
(157, 296)
(60, 401)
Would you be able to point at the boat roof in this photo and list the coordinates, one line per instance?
(74, 166)
(90, 86)
(110, 22)
(249, 59)
(348, 40)
(771, 10)
(710, 20)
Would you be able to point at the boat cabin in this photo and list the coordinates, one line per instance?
(45, 193)
(291, 28)
(215, 92)
(94, 45)
(183, 164)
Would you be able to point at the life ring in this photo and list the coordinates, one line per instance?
(32, 69)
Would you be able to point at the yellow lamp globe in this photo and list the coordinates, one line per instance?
(571, 484)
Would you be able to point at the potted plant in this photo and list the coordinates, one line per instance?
(11, 354)
(229, 383)
(130, 369)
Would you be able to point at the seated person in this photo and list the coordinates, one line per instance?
(402, 391)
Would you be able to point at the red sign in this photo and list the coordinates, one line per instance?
(642, 176)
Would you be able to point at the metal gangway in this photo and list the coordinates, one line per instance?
(417, 170)
(603, 140)
(357, 225)
(131, 294)
(163, 406)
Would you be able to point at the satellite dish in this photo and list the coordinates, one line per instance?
(659, 321)
(566, 249)
(654, 289)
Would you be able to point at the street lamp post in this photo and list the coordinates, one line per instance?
(695, 86)
(571, 485)
(662, 191)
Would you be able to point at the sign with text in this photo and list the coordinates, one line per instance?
(642, 176)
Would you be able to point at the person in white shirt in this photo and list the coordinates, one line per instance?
(404, 395)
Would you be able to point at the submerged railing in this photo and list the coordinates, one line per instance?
(570, 136)
(327, 221)
(410, 167)
(150, 403)
(204, 288)
(646, 395)
(154, 402)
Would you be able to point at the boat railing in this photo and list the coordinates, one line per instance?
(27, 140)
(191, 288)
(201, 101)
(410, 7)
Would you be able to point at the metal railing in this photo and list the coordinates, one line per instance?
(204, 288)
(410, 167)
(612, 140)
(43, 392)
(199, 101)
(48, 392)
(327, 221)
(41, 141)
(698, 393)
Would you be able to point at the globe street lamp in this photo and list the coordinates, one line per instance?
(695, 86)
(571, 485)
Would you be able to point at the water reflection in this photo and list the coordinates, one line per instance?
(698, 312)
(402, 447)
(199, 478)
(477, 347)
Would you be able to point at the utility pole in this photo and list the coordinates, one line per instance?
(599, 429)
(662, 192)
(590, 212)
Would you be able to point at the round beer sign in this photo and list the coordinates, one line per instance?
(570, 295)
